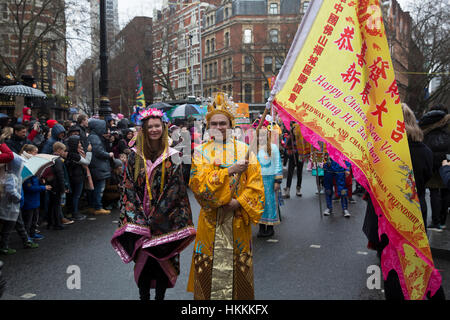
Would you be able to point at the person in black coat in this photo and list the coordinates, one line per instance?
(83, 125)
(421, 158)
(436, 128)
(445, 172)
(75, 163)
(18, 139)
(56, 179)
(422, 162)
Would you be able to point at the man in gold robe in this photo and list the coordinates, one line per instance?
(230, 191)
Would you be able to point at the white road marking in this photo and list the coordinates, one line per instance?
(363, 253)
(315, 246)
(28, 296)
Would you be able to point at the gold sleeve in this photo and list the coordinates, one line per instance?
(251, 197)
(210, 184)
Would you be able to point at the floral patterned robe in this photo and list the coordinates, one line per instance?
(159, 228)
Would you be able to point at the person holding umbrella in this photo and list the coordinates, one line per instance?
(32, 189)
(11, 199)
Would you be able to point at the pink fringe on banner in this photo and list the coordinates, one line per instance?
(389, 258)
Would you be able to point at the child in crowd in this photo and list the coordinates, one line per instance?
(56, 179)
(32, 189)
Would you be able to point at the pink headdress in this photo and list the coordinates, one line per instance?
(151, 113)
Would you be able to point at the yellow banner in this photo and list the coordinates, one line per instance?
(338, 81)
(242, 114)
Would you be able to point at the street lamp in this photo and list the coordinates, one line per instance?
(105, 106)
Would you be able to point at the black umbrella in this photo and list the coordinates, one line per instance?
(21, 90)
(164, 107)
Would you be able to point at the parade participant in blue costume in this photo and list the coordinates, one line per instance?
(272, 173)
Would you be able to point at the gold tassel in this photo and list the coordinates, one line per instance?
(149, 189)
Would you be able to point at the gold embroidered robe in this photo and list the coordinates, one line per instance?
(222, 262)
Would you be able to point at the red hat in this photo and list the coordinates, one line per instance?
(51, 123)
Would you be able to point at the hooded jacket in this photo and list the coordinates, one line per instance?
(123, 143)
(74, 162)
(100, 166)
(436, 129)
(26, 116)
(32, 189)
(11, 190)
(48, 146)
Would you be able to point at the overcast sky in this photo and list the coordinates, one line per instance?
(128, 9)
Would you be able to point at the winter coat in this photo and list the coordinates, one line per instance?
(123, 143)
(422, 163)
(436, 128)
(83, 136)
(445, 175)
(56, 131)
(25, 116)
(100, 166)
(74, 162)
(57, 177)
(11, 189)
(6, 155)
(32, 189)
(16, 144)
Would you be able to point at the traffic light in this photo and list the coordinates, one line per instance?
(28, 80)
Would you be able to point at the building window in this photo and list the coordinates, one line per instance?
(273, 8)
(226, 13)
(268, 64)
(230, 66)
(181, 61)
(273, 35)
(278, 65)
(225, 65)
(206, 71)
(305, 6)
(4, 11)
(207, 46)
(215, 69)
(266, 91)
(230, 90)
(210, 71)
(227, 39)
(247, 36)
(248, 93)
(213, 45)
(247, 64)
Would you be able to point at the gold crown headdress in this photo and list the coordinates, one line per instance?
(222, 104)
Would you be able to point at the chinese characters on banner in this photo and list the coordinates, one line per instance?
(338, 82)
